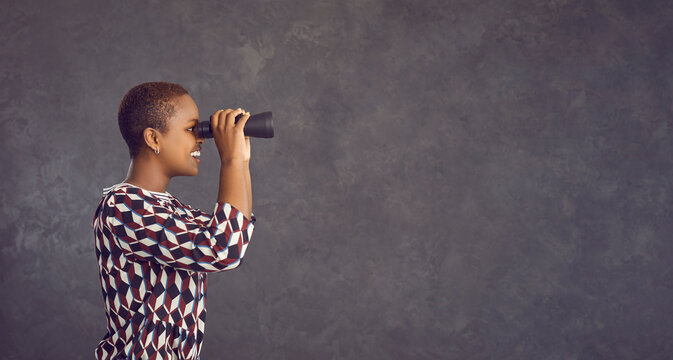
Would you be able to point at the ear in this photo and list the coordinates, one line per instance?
(151, 138)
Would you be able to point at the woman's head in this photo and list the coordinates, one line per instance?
(147, 105)
(161, 116)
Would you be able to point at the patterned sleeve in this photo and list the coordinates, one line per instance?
(205, 217)
(145, 228)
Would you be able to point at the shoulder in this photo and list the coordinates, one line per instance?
(132, 197)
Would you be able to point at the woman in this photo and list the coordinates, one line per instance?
(154, 251)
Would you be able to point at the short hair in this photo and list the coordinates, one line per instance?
(146, 105)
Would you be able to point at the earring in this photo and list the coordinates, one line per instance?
(156, 151)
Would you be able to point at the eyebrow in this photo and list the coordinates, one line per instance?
(192, 120)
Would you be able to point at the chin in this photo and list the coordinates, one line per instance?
(192, 170)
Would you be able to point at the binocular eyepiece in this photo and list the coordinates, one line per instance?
(258, 125)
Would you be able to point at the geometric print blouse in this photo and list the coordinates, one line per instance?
(153, 255)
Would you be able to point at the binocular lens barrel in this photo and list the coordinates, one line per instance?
(258, 125)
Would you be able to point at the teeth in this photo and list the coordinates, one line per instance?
(195, 153)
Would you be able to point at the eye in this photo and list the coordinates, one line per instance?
(190, 129)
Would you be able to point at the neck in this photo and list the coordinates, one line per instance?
(145, 172)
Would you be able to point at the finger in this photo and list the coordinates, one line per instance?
(243, 120)
(231, 117)
(224, 116)
(215, 119)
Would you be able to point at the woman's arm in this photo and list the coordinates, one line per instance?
(248, 186)
(145, 228)
(233, 188)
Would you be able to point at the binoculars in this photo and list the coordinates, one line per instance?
(258, 125)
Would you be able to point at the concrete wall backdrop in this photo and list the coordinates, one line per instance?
(449, 179)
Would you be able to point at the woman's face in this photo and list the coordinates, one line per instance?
(181, 139)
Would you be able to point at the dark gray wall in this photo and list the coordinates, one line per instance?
(449, 179)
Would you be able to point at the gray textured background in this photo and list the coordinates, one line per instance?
(448, 180)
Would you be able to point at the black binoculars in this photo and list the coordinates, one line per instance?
(258, 125)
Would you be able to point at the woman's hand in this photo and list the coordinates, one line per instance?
(228, 135)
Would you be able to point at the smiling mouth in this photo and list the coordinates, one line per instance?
(195, 155)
